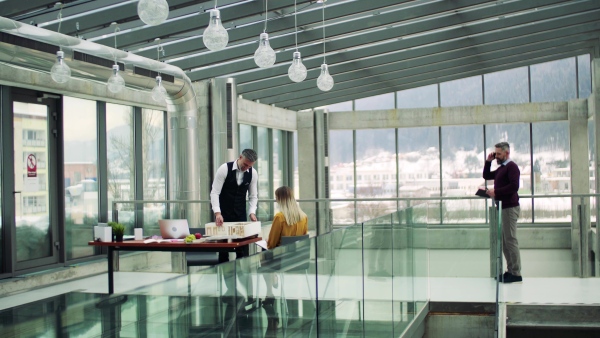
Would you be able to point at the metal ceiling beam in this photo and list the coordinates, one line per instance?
(456, 70)
(418, 27)
(11, 8)
(274, 28)
(421, 67)
(469, 45)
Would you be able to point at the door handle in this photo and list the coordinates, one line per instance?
(16, 192)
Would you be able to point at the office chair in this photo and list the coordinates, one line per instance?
(296, 259)
(199, 258)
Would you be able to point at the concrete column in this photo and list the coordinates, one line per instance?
(204, 164)
(580, 181)
(313, 167)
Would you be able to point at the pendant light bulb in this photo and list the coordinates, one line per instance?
(297, 71)
(325, 81)
(153, 12)
(159, 93)
(264, 55)
(60, 72)
(115, 82)
(215, 36)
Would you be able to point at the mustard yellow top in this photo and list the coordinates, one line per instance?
(280, 228)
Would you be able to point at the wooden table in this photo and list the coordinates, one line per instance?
(233, 246)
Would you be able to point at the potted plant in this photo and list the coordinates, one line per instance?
(118, 230)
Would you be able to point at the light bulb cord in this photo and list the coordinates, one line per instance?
(215, 4)
(60, 21)
(266, 7)
(296, 24)
(323, 3)
(117, 29)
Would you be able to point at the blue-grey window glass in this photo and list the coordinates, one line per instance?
(517, 135)
(81, 174)
(154, 167)
(418, 163)
(461, 92)
(384, 101)
(507, 86)
(342, 106)
(120, 159)
(262, 166)
(341, 175)
(245, 140)
(553, 81)
(462, 166)
(295, 177)
(375, 159)
(584, 75)
(551, 163)
(421, 97)
(278, 159)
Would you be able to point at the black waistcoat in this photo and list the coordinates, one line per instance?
(233, 197)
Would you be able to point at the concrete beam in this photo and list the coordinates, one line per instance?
(262, 115)
(449, 116)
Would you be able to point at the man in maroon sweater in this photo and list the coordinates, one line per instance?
(506, 184)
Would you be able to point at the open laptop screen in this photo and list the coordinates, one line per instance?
(173, 228)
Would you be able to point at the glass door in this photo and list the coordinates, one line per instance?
(35, 227)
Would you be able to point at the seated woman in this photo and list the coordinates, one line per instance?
(290, 221)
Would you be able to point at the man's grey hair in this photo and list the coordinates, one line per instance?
(503, 145)
(250, 155)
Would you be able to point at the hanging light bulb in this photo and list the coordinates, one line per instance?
(264, 55)
(60, 72)
(159, 93)
(215, 36)
(153, 12)
(297, 70)
(325, 81)
(115, 82)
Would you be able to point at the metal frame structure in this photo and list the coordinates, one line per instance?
(373, 47)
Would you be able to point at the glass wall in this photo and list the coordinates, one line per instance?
(544, 162)
(553, 81)
(264, 173)
(120, 156)
(80, 174)
(507, 87)
(154, 166)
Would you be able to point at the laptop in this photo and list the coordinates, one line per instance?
(173, 228)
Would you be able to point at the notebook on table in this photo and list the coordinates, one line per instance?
(173, 228)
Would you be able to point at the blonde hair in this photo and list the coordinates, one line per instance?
(288, 205)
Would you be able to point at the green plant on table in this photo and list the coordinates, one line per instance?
(118, 229)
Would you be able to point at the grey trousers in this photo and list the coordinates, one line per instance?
(510, 245)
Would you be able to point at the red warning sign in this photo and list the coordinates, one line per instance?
(31, 166)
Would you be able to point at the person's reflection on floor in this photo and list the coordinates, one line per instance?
(272, 319)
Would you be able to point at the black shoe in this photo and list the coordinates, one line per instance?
(502, 277)
(510, 278)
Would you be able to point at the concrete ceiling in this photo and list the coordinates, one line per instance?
(372, 46)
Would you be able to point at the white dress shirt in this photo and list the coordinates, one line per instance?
(220, 177)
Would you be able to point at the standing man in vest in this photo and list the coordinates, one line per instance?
(233, 181)
(506, 184)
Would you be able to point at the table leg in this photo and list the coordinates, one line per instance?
(111, 287)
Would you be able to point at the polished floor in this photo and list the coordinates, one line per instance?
(171, 305)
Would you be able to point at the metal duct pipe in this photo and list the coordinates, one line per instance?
(182, 108)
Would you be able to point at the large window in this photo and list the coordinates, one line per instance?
(462, 167)
(120, 156)
(553, 81)
(461, 92)
(81, 174)
(422, 97)
(264, 173)
(341, 175)
(507, 87)
(154, 166)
